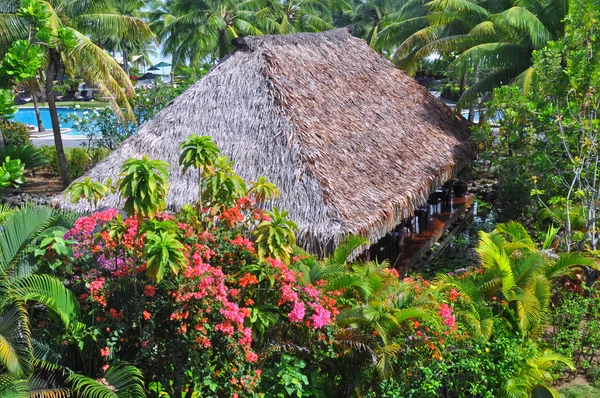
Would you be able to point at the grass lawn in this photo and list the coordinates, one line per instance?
(72, 104)
(579, 391)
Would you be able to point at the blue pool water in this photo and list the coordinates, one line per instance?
(27, 116)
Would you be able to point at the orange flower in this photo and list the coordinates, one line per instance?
(147, 315)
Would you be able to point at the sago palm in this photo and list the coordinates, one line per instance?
(515, 271)
(385, 314)
(361, 279)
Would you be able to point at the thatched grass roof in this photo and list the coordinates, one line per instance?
(352, 143)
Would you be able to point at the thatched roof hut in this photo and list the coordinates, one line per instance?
(352, 143)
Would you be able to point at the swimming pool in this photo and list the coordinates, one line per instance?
(27, 116)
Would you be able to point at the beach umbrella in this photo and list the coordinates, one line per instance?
(162, 65)
(148, 76)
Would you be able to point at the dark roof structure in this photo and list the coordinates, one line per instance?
(352, 143)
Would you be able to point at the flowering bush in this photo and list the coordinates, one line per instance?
(210, 317)
(14, 133)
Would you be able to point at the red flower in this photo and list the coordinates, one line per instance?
(147, 315)
(149, 291)
(105, 351)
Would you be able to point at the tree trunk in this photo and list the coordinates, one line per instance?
(174, 58)
(2, 121)
(472, 106)
(125, 61)
(53, 62)
(36, 105)
(463, 84)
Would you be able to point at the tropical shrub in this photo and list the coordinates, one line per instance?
(14, 133)
(156, 285)
(77, 160)
(30, 155)
(576, 325)
(515, 274)
(106, 129)
(11, 173)
(36, 311)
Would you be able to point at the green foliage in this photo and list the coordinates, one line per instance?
(7, 106)
(15, 134)
(578, 391)
(51, 157)
(144, 186)
(11, 173)
(275, 236)
(506, 366)
(548, 131)
(163, 251)
(576, 324)
(29, 155)
(52, 249)
(263, 190)
(22, 60)
(223, 186)
(35, 11)
(285, 378)
(92, 191)
(119, 381)
(514, 270)
(199, 153)
(77, 160)
(595, 376)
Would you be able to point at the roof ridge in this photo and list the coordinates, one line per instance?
(252, 43)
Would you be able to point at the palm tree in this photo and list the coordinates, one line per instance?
(82, 20)
(496, 37)
(126, 40)
(196, 30)
(372, 16)
(34, 88)
(515, 271)
(302, 15)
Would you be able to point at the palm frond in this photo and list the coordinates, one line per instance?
(567, 263)
(16, 354)
(119, 380)
(19, 229)
(47, 290)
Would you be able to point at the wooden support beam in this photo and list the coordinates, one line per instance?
(435, 231)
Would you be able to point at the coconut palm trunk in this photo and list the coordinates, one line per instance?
(1, 136)
(125, 60)
(51, 68)
(38, 116)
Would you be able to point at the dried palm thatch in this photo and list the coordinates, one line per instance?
(352, 143)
